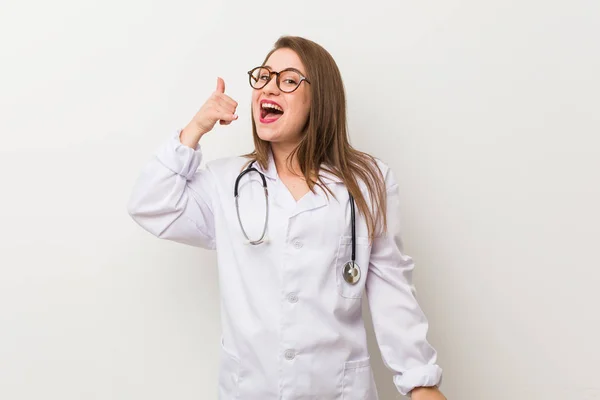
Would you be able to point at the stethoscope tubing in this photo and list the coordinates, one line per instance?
(351, 270)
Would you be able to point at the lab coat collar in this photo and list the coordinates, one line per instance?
(328, 177)
(271, 171)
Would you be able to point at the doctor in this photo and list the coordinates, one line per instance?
(306, 227)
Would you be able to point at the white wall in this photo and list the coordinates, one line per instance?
(488, 112)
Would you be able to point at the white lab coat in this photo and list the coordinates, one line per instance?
(292, 327)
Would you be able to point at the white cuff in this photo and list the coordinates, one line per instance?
(426, 375)
(179, 158)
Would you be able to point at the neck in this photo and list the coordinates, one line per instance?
(281, 152)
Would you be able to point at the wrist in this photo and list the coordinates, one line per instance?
(190, 136)
(426, 393)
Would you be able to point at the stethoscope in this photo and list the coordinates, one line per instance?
(351, 272)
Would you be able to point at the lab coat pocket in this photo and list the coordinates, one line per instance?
(344, 254)
(358, 382)
(229, 374)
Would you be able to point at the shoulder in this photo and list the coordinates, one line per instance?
(227, 163)
(387, 174)
(227, 169)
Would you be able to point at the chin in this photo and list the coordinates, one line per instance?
(267, 134)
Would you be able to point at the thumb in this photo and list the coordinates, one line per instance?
(220, 85)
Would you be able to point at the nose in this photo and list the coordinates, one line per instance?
(271, 86)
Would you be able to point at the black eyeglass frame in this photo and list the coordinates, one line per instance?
(302, 78)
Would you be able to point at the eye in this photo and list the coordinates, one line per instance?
(290, 81)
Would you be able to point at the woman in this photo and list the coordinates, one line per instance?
(293, 268)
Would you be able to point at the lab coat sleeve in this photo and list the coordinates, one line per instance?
(399, 324)
(171, 198)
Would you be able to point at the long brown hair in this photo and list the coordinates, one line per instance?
(325, 138)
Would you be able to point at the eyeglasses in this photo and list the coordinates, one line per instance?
(287, 80)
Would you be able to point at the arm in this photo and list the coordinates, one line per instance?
(171, 198)
(426, 393)
(399, 323)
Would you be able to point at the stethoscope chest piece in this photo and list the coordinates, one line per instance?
(351, 272)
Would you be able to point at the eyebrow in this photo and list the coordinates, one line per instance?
(289, 68)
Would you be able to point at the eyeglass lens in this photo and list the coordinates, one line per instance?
(287, 80)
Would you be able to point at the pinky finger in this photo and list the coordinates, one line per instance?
(227, 119)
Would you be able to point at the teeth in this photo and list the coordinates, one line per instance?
(270, 105)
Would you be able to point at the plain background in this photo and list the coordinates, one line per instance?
(487, 111)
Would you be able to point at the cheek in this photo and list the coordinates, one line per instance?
(306, 105)
(305, 111)
(301, 111)
(299, 116)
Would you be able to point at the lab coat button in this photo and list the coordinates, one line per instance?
(297, 244)
(290, 354)
(292, 297)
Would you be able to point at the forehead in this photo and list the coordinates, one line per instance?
(285, 58)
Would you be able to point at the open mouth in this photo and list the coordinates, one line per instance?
(270, 111)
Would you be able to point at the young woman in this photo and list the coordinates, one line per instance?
(304, 227)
